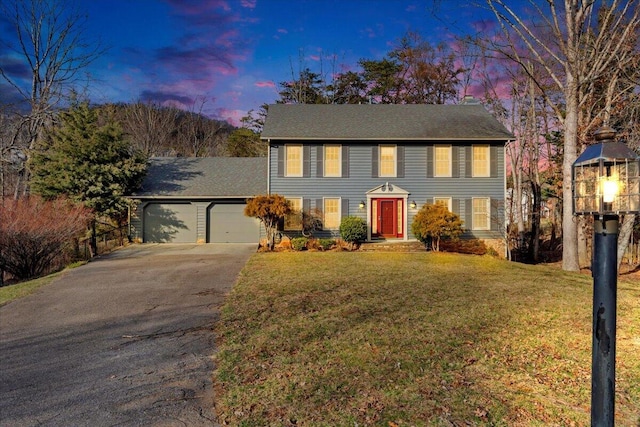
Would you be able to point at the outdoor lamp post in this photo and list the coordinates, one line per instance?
(606, 183)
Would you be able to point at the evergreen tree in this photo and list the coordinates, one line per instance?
(88, 163)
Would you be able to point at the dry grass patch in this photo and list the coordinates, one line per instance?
(414, 339)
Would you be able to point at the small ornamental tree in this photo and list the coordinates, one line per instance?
(353, 229)
(270, 210)
(435, 222)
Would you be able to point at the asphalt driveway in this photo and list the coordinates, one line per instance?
(124, 340)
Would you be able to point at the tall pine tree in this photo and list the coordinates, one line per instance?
(88, 163)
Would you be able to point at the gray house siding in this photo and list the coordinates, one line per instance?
(414, 174)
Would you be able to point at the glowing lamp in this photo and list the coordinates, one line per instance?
(606, 178)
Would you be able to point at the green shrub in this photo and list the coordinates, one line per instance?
(326, 244)
(299, 243)
(353, 229)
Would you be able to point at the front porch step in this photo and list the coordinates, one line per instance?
(392, 246)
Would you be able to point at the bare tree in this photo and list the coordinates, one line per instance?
(198, 135)
(575, 42)
(149, 126)
(51, 43)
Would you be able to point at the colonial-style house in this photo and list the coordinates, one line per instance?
(383, 162)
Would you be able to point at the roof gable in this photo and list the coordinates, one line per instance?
(182, 177)
(382, 122)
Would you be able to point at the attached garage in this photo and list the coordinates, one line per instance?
(170, 223)
(198, 200)
(228, 224)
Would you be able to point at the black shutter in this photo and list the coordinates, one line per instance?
(455, 161)
(344, 206)
(306, 205)
(455, 206)
(468, 205)
(320, 209)
(374, 162)
(306, 162)
(400, 161)
(494, 218)
(320, 161)
(429, 161)
(345, 161)
(493, 153)
(468, 162)
(281, 155)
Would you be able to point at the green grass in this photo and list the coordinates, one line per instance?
(12, 292)
(422, 339)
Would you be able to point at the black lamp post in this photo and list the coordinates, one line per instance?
(606, 183)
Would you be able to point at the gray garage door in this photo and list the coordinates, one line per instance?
(228, 224)
(170, 223)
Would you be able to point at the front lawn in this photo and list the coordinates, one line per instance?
(411, 339)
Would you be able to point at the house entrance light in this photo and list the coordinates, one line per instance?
(606, 183)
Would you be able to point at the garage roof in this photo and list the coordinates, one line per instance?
(418, 122)
(189, 177)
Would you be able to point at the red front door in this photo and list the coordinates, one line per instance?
(388, 216)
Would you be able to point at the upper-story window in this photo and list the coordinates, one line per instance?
(332, 160)
(481, 161)
(388, 161)
(442, 161)
(293, 164)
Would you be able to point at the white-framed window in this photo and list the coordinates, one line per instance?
(293, 160)
(293, 221)
(332, 161)
(387, 161)
(444, 201)
(481, 161)
(481, 209)
(331, 213)
(442, 161)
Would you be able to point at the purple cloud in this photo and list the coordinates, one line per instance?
(204, 54)
(166, 99)
(15, 68)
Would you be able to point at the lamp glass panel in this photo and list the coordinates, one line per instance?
(633, 186)
(586, 189)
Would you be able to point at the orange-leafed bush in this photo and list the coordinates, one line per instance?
(34, 232)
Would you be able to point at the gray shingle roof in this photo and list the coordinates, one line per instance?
(382, 122)
(225, 177)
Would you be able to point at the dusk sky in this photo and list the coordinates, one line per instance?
(233, 53)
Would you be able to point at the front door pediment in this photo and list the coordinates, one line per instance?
(387, 189)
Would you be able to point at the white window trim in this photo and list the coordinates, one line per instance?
(395, 163)
(488, 162)
(301, 207)
(286, 161)
(324, 161)
(324, 199)
(449, 202)
(435, 169)
(473, 214)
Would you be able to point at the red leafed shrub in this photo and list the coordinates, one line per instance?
(34, 233)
